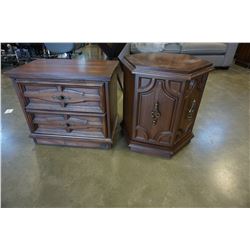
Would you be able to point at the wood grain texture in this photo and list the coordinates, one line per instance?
(65, 69)
(176, 63)
(64, 110)
(160, 109)
(242, 55)
(89, 97)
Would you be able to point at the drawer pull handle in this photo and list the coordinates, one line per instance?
(191, 110)
(61, 97)
(155, 114)
(68, 127)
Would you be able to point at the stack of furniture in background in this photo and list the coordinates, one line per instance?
(13, 54)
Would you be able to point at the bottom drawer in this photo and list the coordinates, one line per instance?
(71, 125)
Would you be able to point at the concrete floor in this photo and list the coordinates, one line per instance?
(212, 171)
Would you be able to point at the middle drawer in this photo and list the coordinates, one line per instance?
(86, 98)
(87, 125)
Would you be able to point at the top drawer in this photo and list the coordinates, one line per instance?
(86, 97)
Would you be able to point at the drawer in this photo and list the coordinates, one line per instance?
(69, 125)
(56, 97)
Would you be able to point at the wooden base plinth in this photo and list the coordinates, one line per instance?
(157, 150)
(75, 142)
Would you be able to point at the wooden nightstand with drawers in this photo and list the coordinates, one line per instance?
(68, 102)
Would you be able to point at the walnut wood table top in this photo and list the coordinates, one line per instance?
(65, 69)
(175, 63)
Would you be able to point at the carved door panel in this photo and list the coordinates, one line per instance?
(191, 103)
(157, 102)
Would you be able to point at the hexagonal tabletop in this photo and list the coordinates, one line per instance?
(175, 63)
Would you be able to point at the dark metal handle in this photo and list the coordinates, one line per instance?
(191, 110)
(155, 114)
(61, 97)
(68, 128)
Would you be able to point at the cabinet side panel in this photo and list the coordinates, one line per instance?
(19, 88)
(113, 101)
(128, 98)
(191, 102)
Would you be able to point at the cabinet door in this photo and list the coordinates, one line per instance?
(191, 102)
(157, 105)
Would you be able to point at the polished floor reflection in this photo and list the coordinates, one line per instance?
(212, 171)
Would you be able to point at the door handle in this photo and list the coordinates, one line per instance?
(192, 109)
(155, 114)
